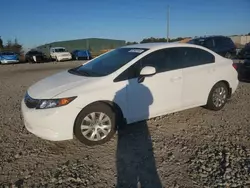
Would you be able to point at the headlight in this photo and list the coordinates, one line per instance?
(52, 103)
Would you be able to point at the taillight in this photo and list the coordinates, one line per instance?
(235, 66)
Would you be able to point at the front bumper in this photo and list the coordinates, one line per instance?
(5, 61)
(55, 124)
(62, 58)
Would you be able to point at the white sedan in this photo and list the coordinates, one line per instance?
(126, 85)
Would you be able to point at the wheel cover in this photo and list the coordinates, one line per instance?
(96, 126)
(219, 96)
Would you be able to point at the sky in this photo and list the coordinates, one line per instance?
(36, 22)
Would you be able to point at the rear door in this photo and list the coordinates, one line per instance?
(199, 75)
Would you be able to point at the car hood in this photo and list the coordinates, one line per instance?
(51, 86)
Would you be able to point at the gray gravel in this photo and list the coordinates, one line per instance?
(192, 148)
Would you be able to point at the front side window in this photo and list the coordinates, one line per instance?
(163, 60)
(108, 63)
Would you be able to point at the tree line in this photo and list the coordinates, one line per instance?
(11, 46)
(152, 39)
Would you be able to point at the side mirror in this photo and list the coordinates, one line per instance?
(148, 71)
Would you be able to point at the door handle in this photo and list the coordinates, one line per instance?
(212, 70)
(175, 79)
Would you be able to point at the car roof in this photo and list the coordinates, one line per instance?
(211, 36)
(158, 45)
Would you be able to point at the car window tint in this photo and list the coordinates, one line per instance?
(196, 56)
(223, 41)
(163, 60)
(209, 43)
(229, 42)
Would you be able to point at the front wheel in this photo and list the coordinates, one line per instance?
(218, 97)
(95, 124)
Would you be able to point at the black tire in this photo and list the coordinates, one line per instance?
(210, 103)
(98, 107)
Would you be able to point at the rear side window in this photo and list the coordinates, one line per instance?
(209, 43)
(224, 42)
(196, 56)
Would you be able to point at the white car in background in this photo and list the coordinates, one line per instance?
(60, 54)
(127, 85)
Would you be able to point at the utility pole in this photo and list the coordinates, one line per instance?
(168, 24)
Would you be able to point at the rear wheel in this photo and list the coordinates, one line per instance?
(96, 124)
(218, 96)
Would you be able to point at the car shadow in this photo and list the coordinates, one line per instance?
(135, 160)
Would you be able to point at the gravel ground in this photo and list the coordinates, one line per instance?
(192, 148)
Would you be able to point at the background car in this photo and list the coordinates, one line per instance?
(222, 45)
(60, 54)
(129, 84)
(35, 56)
(244, 71)
(8, 57)
(81, 54)
(245, 52)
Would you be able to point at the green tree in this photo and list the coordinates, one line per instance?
(13, 47)
(129, 43)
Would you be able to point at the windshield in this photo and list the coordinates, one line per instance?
(7, 53)
(60, 50)
(108, 63)
(34, 52)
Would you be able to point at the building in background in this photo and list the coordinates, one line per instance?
(95, 45)
(240, 40)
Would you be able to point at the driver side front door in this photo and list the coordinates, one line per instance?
(157, 94)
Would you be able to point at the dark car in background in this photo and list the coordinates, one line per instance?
(81, 54)
(245, 52)
(35, 56)
(244, 71)
(222, 45)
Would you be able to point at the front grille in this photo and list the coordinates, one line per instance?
(30, 102)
